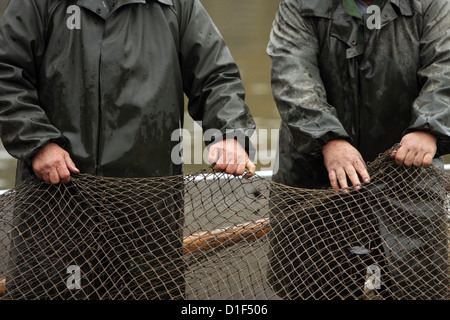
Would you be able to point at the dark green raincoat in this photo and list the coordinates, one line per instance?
(107, 84)
(109, 87)
(333, 77)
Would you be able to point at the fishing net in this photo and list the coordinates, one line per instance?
(212, 236)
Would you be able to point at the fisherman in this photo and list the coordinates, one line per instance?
(348, 88)
(97, 87)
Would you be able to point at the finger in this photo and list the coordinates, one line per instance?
(418, 160)
(353, 176)
(333, 179)
(240, 169)
(64, 174)
(361, 169)
(427, 160)
(342, 178)
(400, 156)
(220, 164)
(240, 160)
(46, 177)
(251, 169)
(54, 177)
(409, 158)
(39, 174)
(231, 168)
(37, 168)
(71, 165)
(230, 158)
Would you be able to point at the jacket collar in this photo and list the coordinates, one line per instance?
(98, 7)
(327, 9)
(404, 6)
(345, 28)
(168, 2)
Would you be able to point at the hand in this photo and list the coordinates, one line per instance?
(416, 148)
(53, 164)
(341, 160)
(229, 156)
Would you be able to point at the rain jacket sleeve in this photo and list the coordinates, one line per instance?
(431, 110)
(212, 80)
(296, 84)
(24, 126)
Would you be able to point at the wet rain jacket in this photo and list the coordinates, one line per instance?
(333, 77)
(109, 86)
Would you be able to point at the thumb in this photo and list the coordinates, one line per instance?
(251, 169)
(71, 165)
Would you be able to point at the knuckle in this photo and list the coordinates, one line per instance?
(59, 162)
(220, 166)
(37, 167)
(54, 180)
(427, 161)
(350, 169)
(65, 175)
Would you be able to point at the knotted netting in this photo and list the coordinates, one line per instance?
(212, 236)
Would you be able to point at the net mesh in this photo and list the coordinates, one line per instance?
(212, 236)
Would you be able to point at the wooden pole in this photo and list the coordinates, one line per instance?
(210, 240)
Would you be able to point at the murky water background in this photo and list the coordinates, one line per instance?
(245, 25)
